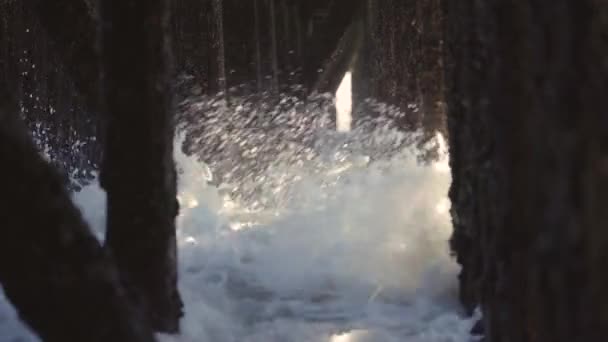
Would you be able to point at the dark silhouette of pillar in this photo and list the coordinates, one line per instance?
(527, 124)
(138, 170)
(63, 284)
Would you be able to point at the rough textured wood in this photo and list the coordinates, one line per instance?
(217, 66)
(325, 38)
(138, 170)
(61, 281)
(528, 124)
(401, 61)
(75, 43)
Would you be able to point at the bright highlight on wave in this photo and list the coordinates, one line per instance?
(344, 104)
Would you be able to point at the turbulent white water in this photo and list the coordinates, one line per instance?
(354, 251)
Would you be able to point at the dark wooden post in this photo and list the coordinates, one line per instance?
(138, 171)
(527, 124)
(61, 281)
(217, 69)
(274, 54)
(258, 47)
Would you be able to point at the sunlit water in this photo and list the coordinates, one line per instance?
(350, 244)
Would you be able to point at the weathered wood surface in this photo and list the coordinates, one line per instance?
(527, 122)
(138, 171)
(63, 283)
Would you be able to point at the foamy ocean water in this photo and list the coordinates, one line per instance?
(350, 245)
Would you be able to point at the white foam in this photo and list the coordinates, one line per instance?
(355, 252)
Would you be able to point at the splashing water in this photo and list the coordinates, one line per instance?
(342, 237)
